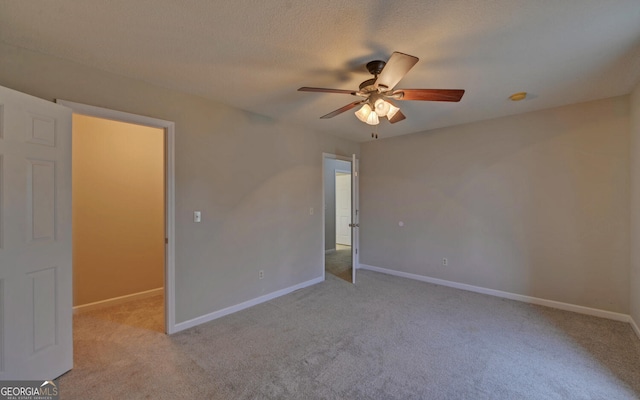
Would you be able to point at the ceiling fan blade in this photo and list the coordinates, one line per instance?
(428, 94)
(342, 109)
(397, 67)
(399, 116)
(323, 90)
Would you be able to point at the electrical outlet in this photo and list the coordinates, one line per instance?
(260, 274)
(445, 262)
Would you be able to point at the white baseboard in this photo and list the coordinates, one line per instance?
(507, 295)
(634, 326)
(238, 307)
(116, 300)
(329, 251)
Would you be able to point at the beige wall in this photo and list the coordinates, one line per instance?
(634, 288)
(254, 179)
(535, 204)
(118, 209)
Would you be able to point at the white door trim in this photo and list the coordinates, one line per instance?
(169, 128)
(326, 156)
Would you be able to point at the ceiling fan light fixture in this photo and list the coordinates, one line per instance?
(373, 119)
(366, 115)
(393, 110)
(363, 112)
(382, 107)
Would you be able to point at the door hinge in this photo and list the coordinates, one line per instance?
(166, 240)
(356, 250)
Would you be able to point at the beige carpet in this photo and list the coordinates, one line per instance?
(338, 262)
(383, 338)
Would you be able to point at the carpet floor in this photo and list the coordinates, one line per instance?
(383, 338)
(338, 262)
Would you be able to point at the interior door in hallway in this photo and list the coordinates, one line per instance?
(343, 208)
(35, 238)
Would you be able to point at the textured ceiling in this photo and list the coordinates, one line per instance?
(255, 54)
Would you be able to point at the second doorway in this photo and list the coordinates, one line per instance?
(338, 209)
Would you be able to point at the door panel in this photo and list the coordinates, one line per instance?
(43, 298)
(41, 187)
(35, 238)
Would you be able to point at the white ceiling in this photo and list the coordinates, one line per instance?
(255, 54)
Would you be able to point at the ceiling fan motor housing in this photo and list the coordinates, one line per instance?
(375, 67)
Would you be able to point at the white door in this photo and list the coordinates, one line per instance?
(343, 208)
(35, 238)
(355, 219)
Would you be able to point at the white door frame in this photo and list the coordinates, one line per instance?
(330, 156)
(169, 129)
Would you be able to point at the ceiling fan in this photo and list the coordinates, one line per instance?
(379, 91)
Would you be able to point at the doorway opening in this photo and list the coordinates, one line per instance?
(123, 216)
(338, 259)
(339, 218)
(118, 220)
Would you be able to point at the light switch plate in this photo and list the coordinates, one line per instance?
(197, 216)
